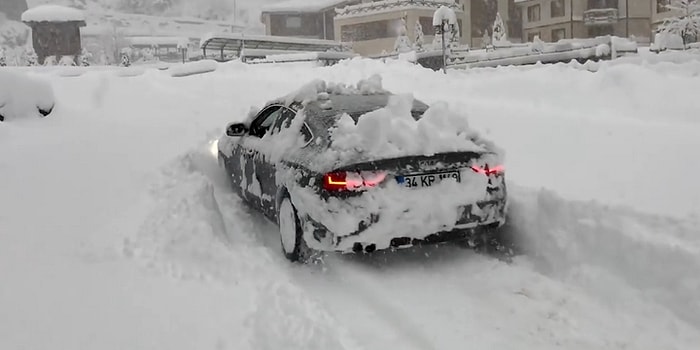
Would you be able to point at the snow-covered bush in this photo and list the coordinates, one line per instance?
(85, 58)
(50, 61)
(687, 23)
(602, 50)
(537, 44)
(30, 57)
(3, 57)
(23, 96)
(67, 60)
(485, 40)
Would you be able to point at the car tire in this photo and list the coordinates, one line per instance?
(294, 246)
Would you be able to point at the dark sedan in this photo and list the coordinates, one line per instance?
(286, 162)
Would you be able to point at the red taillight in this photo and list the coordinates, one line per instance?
(499, 169)
(352, 181)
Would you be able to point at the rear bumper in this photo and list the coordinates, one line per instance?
(374, 233)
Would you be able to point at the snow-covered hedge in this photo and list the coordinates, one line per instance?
(23, 96)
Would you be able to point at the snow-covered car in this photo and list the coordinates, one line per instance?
(358, 169)
(24, 96)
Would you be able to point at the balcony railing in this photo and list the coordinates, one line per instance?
(595, 17)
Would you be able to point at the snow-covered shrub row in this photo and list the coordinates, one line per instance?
(23, 96)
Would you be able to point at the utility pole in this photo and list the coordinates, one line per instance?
(571, 15)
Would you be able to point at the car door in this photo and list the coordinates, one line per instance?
(254, 170)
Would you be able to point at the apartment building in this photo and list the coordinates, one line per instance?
(373, 26)
(303, 19)
(553, 20)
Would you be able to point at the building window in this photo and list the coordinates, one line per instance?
(558, 34)
(370, 30)
(293, 22)
(533, 13)
(596, 31)
(557, 8)
(602, 4)
(531, 36)
(662, 6)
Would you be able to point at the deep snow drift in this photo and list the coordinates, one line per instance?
(117, 229)
(24, 96)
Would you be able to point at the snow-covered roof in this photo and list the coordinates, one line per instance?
(383, 6)
(303, 5)
(53, 13)
(236, 41)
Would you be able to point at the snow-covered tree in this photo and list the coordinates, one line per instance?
(3, 57)
(126, 61)
(134, 6)
(403, 43)
(162, 5)
(419, 36)
(687, 23)
(499, 30)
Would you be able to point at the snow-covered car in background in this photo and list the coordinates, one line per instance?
(23, 96)
(358, 169)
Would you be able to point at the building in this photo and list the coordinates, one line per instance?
(55, 31)
(304, 19)
(13, 9)
(373, 26)
(552, 20)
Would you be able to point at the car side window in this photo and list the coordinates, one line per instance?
(265, 120)
(284, 121)
(308, 135)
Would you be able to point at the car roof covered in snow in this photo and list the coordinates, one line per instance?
(354, 105)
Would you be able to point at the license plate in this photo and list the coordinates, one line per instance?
(427, 180)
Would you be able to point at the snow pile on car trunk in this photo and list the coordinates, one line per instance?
(393, 132)
(23, 96)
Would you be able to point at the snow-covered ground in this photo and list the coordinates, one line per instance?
(118, 231)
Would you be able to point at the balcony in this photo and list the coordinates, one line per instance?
(597, 17)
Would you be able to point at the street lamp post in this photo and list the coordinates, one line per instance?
(444, 20)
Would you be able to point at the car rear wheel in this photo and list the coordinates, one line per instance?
(291, 233)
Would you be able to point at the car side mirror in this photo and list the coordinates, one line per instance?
(236, 129)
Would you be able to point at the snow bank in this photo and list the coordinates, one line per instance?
(53, 13)
(193, 68)
(195, 230)
(586, 242)
(24, 96)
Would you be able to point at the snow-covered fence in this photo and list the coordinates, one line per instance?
(599, 48)
(323, 58)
